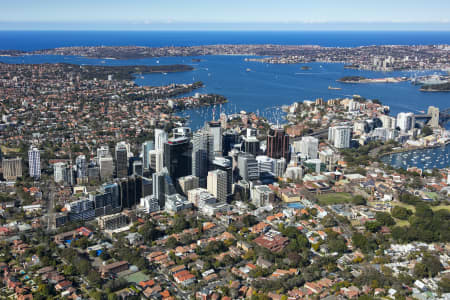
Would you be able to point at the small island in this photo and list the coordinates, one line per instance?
(352, 79)
(441, 87)
(305, 68)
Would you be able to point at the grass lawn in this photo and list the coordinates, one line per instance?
(399, 222)
(136, 277)
(334, 198)
(434, 208)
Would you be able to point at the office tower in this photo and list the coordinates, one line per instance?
(146, 147)
(309, 146)
(248, 167)
(230, 138)
(215, 130)
(106, 164)
(156, 160)
(12, 168)
(130, 190)
(265, 164)
(113, 190)
(150, 204)
(137, 168)
(162, 186)
(58, 171)
(34, 162)
(278, 143)
(69, 176)
(160, 139)
(279, 166)
(340, 136)
(103, 151)
(217, 184)
(406, 121)
(448, 177)
(225, 164)
(178, 157)
(121, 160)
(93, 172)
(250, 144)
(202, 143)
(188, 183)
(434, 113)
(81, 164)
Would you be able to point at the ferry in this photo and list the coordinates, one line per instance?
(334, 88)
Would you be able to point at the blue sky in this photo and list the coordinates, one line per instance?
(225, 14)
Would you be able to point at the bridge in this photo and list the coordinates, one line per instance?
(444, 117)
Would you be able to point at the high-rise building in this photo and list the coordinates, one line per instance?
(103, 151)
(202, 145)
(262, 195)
(279, 167)
(230, 138)
(217, 184)
(106, 164)
(215, 130)
(278, 143)
(58, 171)
(162, 186)
(340, 136)
(250, 144)
(388, 122)
(248, 167)
(225, 164)
(406, 121)
(137, 168)
(160, 139)
(188, 183)
(82, 172)
(156, 160)
(146, 147)
(309, 146)
(434, 113)
(12, 168)
(178, 157)
(34, 162)
(181, 132)
(121, 160)
(265, 164)
(69, 176)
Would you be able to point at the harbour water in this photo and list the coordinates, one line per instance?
(424, 159)
(266, 87)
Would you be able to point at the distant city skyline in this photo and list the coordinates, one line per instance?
(226, 15)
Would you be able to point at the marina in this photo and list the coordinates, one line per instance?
(424, 158)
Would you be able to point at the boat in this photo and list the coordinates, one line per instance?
(164, 73)
(248, 69)
(334, 88)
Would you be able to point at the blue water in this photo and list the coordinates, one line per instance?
(33, 40)
(296, 205)
(424, 159)
(268, 86)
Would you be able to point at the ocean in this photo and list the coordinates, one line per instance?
(34, 40)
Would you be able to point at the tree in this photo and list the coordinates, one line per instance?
(444, 284)
(359, 200)
(373, 226)
(384, 218)
(171, 242)
(429, 267)
(401, 213)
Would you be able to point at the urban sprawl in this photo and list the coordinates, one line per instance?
(107, 194)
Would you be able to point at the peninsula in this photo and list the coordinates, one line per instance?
(381, 58)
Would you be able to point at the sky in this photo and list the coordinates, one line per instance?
(225, 14)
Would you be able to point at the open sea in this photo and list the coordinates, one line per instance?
(266, 86)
